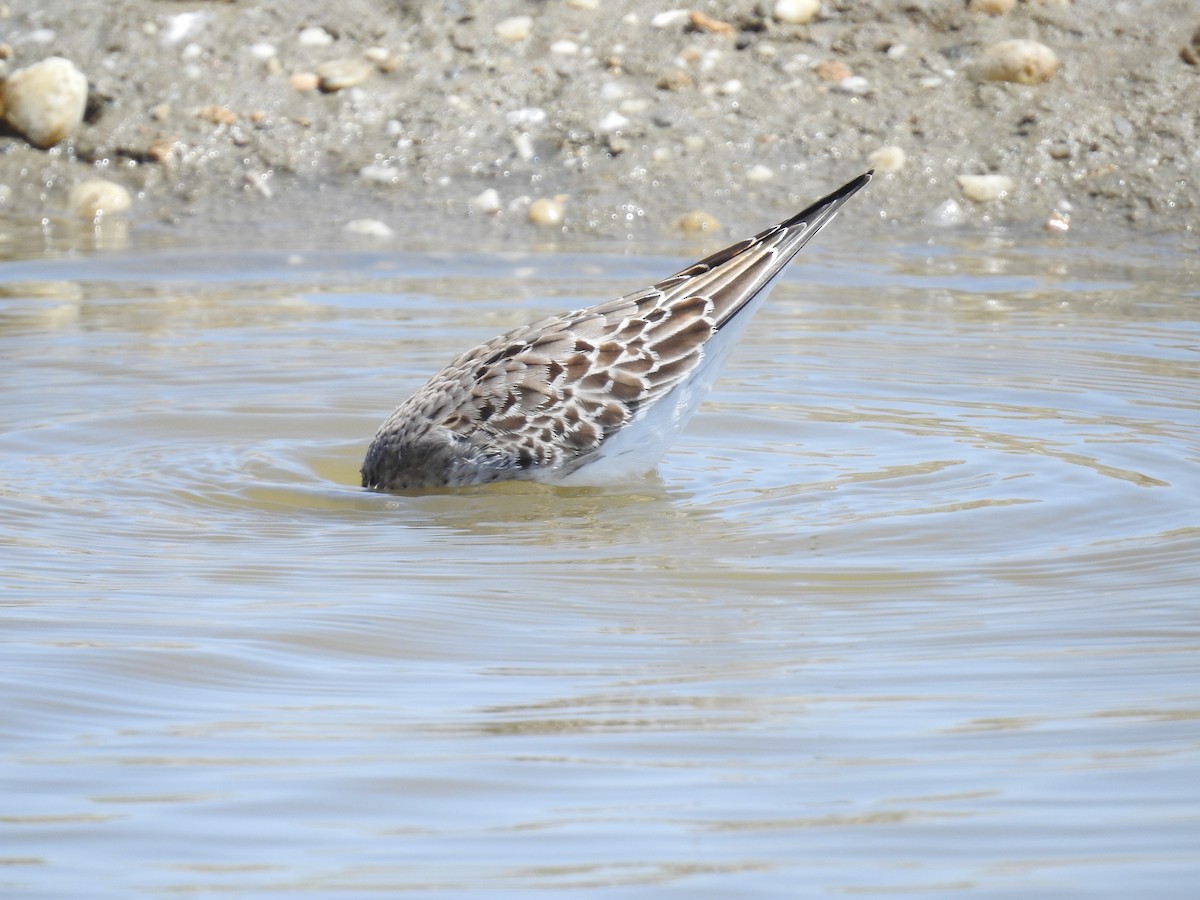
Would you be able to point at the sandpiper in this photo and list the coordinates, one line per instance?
(593, 396)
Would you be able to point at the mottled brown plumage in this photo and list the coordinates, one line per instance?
(592, 394)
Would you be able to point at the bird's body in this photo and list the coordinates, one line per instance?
(591, 396)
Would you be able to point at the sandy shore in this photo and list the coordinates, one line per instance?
(447, 120)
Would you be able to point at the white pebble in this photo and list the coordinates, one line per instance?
(759, 174)
(45, 101)
(41, 36)
(180, 26)
(888, 159)
(98, 197)
(731, 87)
(486, 203)
(339, 74)
(368, 227)
(523, 118)
(314, 37)
(515, 29)
(263, 51)
(547, 211)
(1019, 61)
(583, 4)
(564, 48)
(671, 17)
(795, 12)
(614, 121)
(854, 84)
(380, 174)
(983, 188)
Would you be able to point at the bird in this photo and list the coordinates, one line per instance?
(594, 396)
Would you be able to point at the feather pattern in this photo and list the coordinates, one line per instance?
(554, 400)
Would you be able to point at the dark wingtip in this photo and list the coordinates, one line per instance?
(831, 203)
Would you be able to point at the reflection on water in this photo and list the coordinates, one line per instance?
(910, 608)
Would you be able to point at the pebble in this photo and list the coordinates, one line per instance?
(674, 80)
(1059, 221)
(795, 12)
(5, 193)
(855, 84)
(217, 115)
(759, 174)
(314, 37)
(1018, 61)
(98, 197)
(303, 81)
(515, 29)
(707, 24)
(614, 121)
(697, 222)
(368, 227)
(983, 188)
(44, 102)
(832, 70)
(486, 202)
(339, 74)
(991, 7)
(888, 159)
(564, 47)
(547, 211)
(583, 4)
(670, 18)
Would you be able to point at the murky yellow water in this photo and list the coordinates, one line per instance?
(910, 609)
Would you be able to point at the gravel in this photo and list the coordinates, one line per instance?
(446, 122)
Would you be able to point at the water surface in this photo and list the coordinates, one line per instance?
(910, 609)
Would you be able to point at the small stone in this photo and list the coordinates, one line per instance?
(731, 87)
(515, 29)
(670, 18)
(759, 174)
(98, 197)
(486, 202)
(707, 24)
(1017, 61)
(162, 151)
(5, 193)
(888, 159)
(44, 102)
(795, 12)
(832, 70)
(369, 228)
(697, 222)
(583, 4)
(991, 7)
(525, 117)
(564, 48)
(855, 84)
(314, 37)
(1061, 150)
(339, 74)
(380, 174)
(303, 81)
(614, 121)
(160, 112)
(1190, 53)
(547, 211)
(984, 188)
(674, 80)
(217, 115)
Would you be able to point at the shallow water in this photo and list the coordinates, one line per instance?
(911, 608)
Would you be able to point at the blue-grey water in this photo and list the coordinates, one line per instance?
(912, 608)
